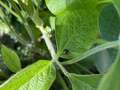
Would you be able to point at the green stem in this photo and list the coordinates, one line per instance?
(48, 42)
(93, 51)
(29, 31)
(104, 2)
(10, 10)
(101, 41)
(61, 80)
(19, 38)
(51, 49)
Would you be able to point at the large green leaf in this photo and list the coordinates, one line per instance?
(76, 24)
(109, 23)
(11, 59)
(38, 76)
(84, 82)
(111, 80)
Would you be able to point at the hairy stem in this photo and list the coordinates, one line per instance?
(51, 49)
(48, 42)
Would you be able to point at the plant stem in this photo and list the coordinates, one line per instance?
(62, 82)
(48, 42)
(104, 2)
(29, 31)
(93, 51)
(51, 49)
(101, 41)
(19, 38)
(10, 10)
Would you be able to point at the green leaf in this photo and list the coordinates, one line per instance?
(52, 22)
(11, 59)
(117, 5)
(56, 6)
(38, 76)
(109, 23)
(76, 24)
(84, 82)
(110, 29)
(111, 80)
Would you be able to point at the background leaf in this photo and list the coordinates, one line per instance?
(103, 60)
(109, 23)
(11, 59)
